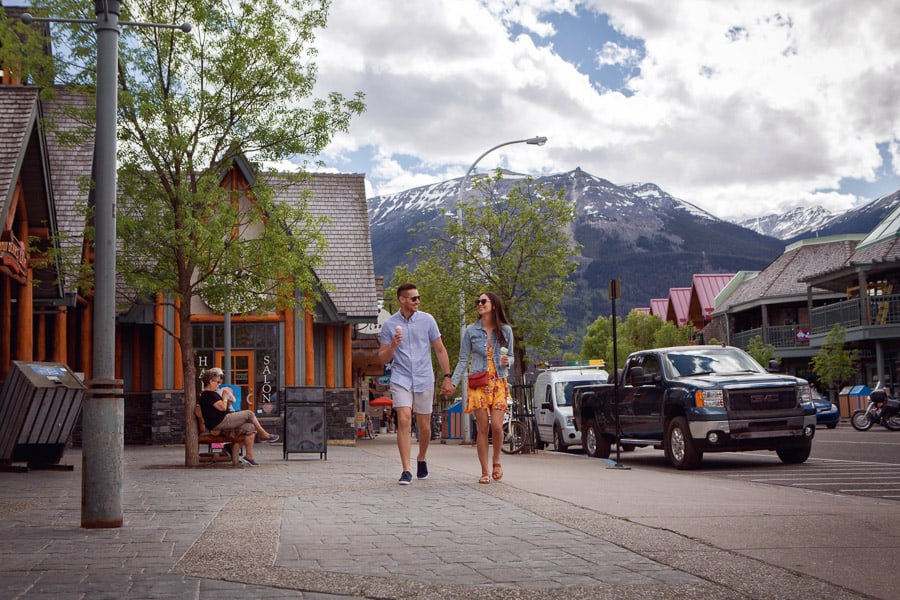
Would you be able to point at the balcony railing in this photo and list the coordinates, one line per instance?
(780, 336)
(883, 310)
(742, 338)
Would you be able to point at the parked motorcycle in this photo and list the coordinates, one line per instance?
(881, 410)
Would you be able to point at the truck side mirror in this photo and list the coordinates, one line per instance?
(635, 376)
(774, 366)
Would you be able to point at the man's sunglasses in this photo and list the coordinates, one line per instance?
(413, 298)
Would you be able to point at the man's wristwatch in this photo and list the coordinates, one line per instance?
(448, 376)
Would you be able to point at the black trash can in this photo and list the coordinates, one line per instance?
(39, 406)
(304, 421)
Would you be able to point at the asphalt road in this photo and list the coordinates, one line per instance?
(845, 443)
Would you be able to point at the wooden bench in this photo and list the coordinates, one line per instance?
(234, 438)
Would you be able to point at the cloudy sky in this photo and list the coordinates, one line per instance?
(742, 107)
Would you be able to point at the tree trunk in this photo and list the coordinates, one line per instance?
(186, 339)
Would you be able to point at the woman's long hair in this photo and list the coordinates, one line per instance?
(499, 316)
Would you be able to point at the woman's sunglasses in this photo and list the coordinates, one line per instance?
(481, 301)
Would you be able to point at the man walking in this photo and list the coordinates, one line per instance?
(405, 340)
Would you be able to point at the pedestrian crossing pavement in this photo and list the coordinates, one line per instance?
(856, 478)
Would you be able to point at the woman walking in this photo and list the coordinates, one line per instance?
(486, 350)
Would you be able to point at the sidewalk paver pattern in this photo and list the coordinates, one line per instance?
(315, 529)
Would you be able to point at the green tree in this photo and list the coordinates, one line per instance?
(639, 331)
(597, 340)
(833, 365)
(191, 106)
(761, 353)
(516, 245)
(669, 334)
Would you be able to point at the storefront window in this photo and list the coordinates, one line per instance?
(254, 361)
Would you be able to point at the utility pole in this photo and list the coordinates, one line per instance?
(103, 412)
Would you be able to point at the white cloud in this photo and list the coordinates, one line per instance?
(738, 107)
(614, 54)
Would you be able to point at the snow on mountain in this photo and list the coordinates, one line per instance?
(796, 222)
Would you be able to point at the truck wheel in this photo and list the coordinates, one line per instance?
(558, 441)
(795, 456)
(680, 448)
(593, 442)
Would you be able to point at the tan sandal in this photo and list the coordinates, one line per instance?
(485, 479)
(498, 472)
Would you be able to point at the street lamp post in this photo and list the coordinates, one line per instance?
(103, 406)
(533, 141)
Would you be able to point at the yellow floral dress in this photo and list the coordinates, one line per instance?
(492, 396)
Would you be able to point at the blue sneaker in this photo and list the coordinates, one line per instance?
(249, 462)
(273, 437)
(405, 478)
(421, 469)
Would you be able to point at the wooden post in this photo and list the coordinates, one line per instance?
(310, 351)
(25, 321)
(158, 339)
(348, 356)
(329, 356)
(60, 339)
(290, 355)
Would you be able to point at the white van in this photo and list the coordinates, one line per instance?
(553, 403)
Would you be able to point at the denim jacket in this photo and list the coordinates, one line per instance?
(474, 348)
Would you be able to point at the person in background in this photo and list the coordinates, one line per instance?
(487, 344)
(217, 416)
(407, 338)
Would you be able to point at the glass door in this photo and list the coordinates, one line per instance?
(242, 374)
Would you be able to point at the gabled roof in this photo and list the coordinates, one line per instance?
(704, 289)
(347, 264)
(780, 281)
(23, 161)
(679, 303)
(659, 307)
(18, 123)
(642, 310)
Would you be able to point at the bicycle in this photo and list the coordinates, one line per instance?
(514, 435)
(518, 430)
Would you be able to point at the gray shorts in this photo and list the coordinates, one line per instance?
(420, 402)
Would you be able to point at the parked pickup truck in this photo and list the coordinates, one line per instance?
(693, 399)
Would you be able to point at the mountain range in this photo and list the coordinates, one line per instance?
(637, 233)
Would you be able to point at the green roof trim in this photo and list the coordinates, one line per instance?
(888, 229)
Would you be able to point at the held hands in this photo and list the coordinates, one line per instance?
(447, 388)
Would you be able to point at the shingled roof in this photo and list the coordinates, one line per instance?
(781, 279)
(877, 253)
(347, 264)
(70, 149)
(23, 161)
(19, 110)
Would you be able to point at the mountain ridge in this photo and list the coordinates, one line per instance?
(637, 232)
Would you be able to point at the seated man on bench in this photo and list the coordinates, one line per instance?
(217, 415)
